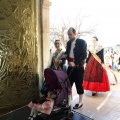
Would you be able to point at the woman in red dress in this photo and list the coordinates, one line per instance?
(95, 76)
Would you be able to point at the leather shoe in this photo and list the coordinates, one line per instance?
(77, 106)
(94, 93)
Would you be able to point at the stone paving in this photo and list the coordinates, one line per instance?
(103, 106)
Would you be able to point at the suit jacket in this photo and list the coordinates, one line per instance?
(80, 51)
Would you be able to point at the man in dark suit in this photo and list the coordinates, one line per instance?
(76, 53)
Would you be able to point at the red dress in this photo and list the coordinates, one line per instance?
(95, 77)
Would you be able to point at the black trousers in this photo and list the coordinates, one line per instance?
(76, 75)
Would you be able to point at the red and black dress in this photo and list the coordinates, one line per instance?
(95, 76)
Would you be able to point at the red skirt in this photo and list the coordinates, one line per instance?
(95, 77)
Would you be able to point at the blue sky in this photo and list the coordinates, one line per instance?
(104, 13)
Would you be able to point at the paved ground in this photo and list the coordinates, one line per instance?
(103, 106)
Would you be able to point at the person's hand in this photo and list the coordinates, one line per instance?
(72, 64)
(64, 56)
(59, 61)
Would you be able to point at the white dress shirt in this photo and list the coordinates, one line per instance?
(72, 48)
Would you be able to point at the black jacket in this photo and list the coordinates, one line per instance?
(80, 51)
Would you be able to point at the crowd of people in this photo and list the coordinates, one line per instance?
(112, 58)
(89, 68)
(112, 63)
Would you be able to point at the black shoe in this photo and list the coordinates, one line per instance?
(77, 106)
(94, 93)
